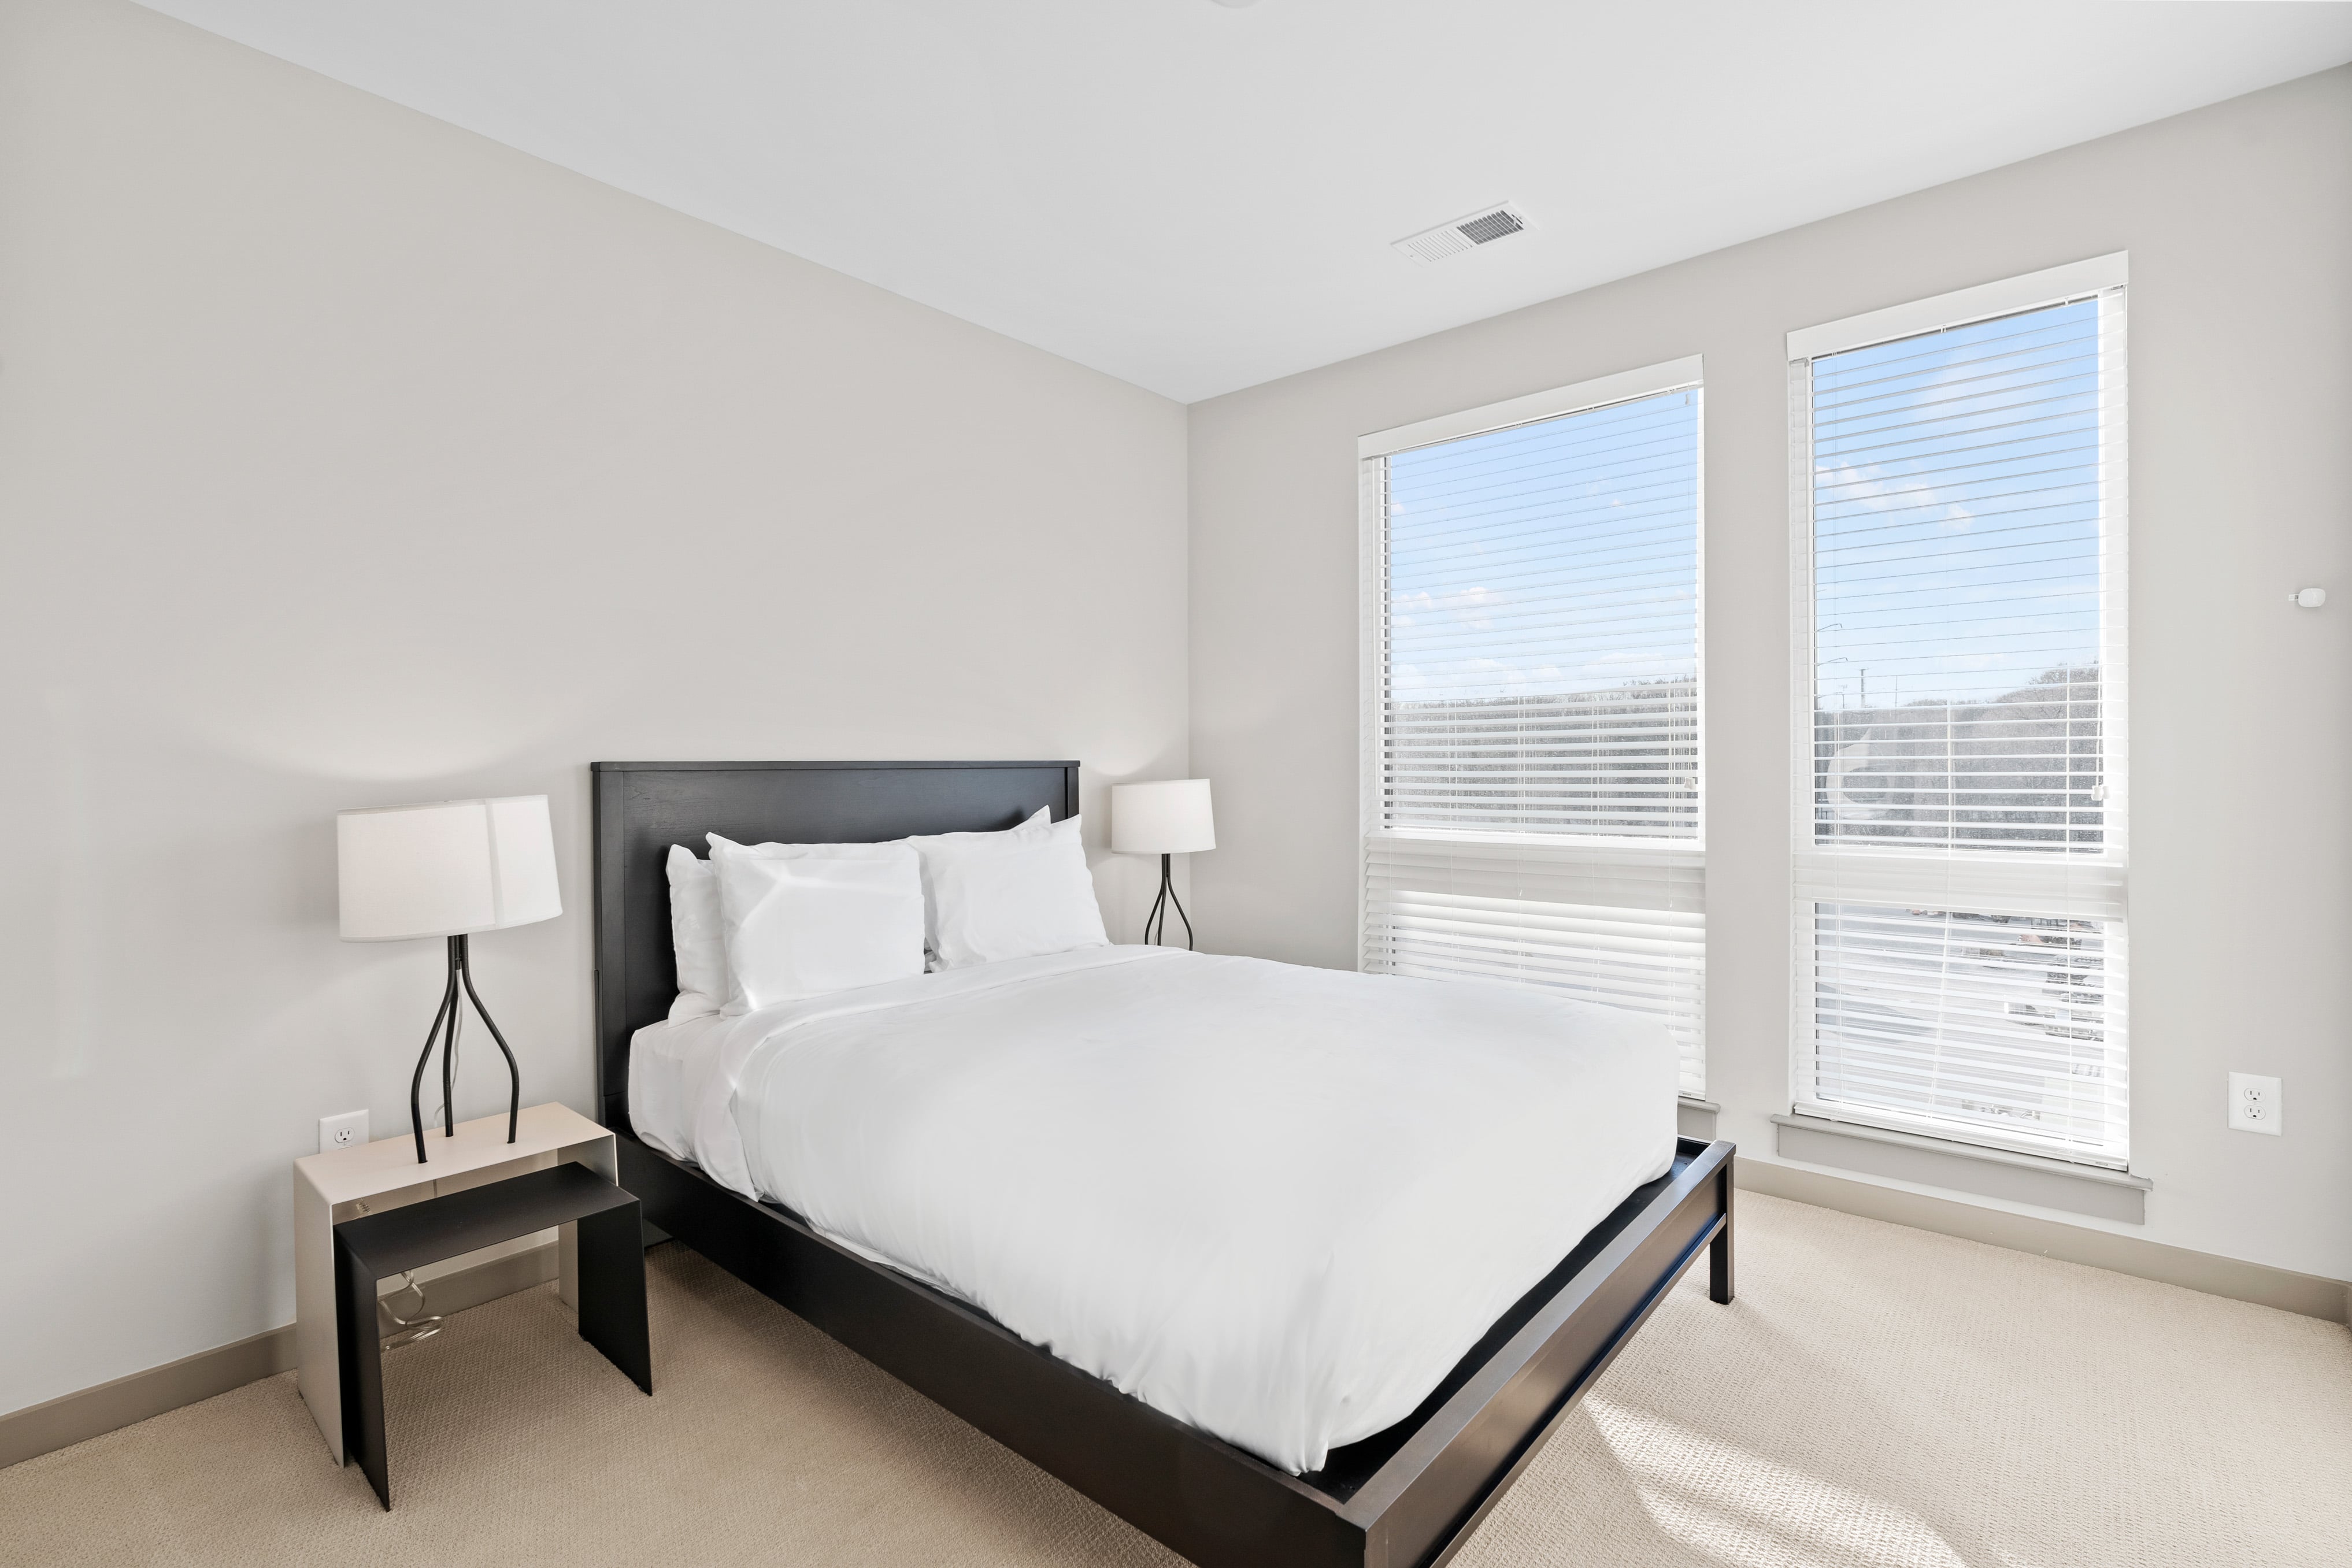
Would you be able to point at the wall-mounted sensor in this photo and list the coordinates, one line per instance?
(2309, 598)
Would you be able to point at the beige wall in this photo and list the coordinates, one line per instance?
(347, 458)
(2238, 222)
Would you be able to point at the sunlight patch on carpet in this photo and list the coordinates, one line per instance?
(1747, 1512)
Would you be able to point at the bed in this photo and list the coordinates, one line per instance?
(1406, 1491)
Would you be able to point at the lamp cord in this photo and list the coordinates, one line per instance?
(411, 1330)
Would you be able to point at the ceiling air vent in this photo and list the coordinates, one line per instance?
(1465, 234)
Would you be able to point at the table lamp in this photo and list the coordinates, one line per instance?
(1171, 817)
(449, 868)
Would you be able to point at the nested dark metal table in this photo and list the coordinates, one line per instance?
(378, 1245)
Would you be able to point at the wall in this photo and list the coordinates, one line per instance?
(349, 459)
(2238, 222)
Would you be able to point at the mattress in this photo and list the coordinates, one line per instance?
(1278, 1203)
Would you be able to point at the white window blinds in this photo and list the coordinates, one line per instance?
(1960, 846)
(1532, 764)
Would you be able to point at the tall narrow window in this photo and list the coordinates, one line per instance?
(1532, 794)
(1960, 835)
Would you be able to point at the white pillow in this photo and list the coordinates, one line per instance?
(939, 847)
(804, 920)
(1013, 894)
(695, 935)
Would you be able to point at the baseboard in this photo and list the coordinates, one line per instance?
(75, 1418)
(2307, 1294)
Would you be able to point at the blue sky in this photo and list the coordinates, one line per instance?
(1956, 509)
(1956, 514)
(1548, 558)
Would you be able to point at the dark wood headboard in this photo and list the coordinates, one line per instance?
(643, 808)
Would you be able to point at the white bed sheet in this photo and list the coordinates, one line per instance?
(1277, 1202)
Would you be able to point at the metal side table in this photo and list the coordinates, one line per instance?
(611, 1291)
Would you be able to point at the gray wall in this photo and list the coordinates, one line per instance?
(2238, 222)
(347, 459)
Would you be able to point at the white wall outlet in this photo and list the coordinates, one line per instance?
(344, 1132)
(2255, 1104)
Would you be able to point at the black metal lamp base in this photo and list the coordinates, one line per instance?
(461, 974)
(1162, 905)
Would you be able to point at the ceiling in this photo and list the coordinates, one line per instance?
(1198, 196)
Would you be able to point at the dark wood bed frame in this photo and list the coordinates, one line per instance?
(1405, 1498)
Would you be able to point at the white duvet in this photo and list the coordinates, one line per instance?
(1278, 1203)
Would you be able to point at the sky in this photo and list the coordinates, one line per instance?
(1956, 509)
(1956, 516)
(1555, 557)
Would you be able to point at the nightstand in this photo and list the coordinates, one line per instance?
(373, 1247)
(344, 1184)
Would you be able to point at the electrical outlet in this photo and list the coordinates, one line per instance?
(346, 1131)
(2256, 1105)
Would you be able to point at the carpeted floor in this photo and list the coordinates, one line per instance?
(1877, 1397)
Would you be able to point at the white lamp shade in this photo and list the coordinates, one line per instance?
(1165, 819)
(444, 869)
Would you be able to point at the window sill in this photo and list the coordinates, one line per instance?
(1964, 1167)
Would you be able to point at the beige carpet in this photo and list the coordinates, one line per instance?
(1877, 1397)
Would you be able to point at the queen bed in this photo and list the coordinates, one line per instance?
(1282, 1265)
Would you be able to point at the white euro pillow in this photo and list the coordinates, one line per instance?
(1017, 893)
(695, 935)
(805, 920)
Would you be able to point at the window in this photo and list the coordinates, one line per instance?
(1531, 771)
(1960, 504)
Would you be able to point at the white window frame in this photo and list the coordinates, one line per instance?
(1595, 855)
(1980, 882)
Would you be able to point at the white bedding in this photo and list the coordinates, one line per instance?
(1277, 1202)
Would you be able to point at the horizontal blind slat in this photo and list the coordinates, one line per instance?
(1629, 933)
(1970, 1021)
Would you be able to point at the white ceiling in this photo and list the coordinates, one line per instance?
(1198, 196)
